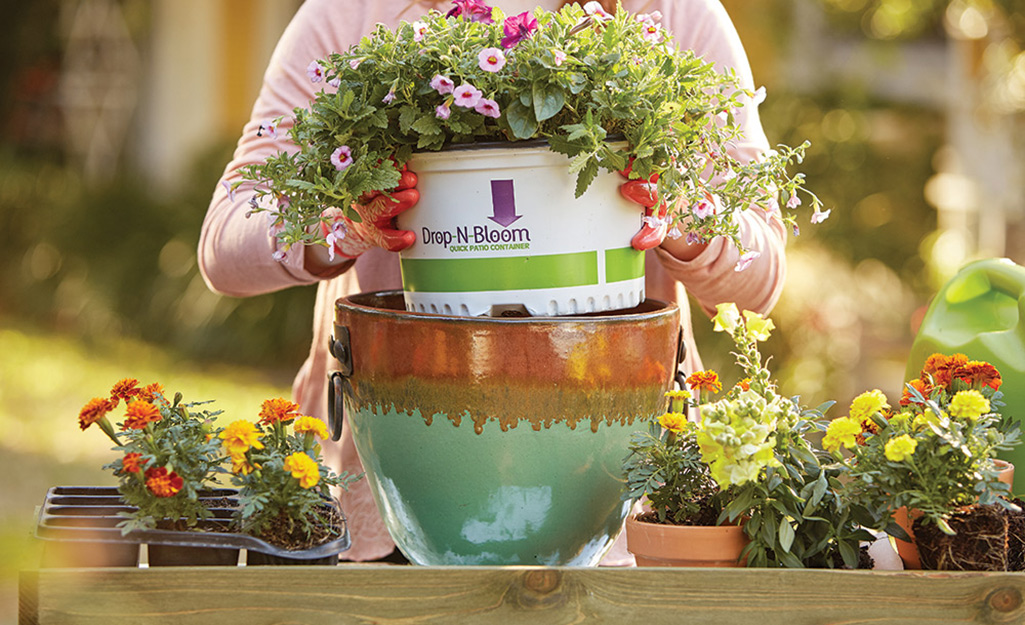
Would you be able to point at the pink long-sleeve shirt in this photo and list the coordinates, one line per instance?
(235, 251)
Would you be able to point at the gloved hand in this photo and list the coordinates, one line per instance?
(349, 238)
(644, 192)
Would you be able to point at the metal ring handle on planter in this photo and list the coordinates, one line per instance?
(341, 349)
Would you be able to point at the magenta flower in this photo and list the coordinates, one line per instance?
(473, 10)
(745, 260)
(341, 158)
(487, 108)
(517, 28)
(442, 84)
(491, 59)
(442, 111)
(467, 95)
(419, 30)
(315, 71)
(560, 56)
(819, 216)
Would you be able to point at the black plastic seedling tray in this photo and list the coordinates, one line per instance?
(83, 520)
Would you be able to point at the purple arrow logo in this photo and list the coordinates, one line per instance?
(504, 203)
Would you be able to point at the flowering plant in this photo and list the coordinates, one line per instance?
(283, 484)
(610, 92)
(935, 452)
(169, 452)
(748, 460)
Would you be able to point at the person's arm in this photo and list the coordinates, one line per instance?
(708, 270)
(237, 253)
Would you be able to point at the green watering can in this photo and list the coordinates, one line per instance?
(981, 313)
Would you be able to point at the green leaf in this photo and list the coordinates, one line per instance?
(521, 120)
(586, 176)
(548, 101)
(427, 125)
(849, 554)
(786, 534)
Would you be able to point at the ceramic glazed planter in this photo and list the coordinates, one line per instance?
(907, 550)
(78, 527)
(499, 440)
(499, 228)
(654, 544)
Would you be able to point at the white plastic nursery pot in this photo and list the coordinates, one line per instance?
(498, 228)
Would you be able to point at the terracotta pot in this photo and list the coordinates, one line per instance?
(907, 551)
(654, 544)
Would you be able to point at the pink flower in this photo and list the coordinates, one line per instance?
(651, 31)
(518, 28)
(337, 233)
(419, 30)
(388, 97)
(230, 189)
(745, 260)
(442, 84)
(467, 95)
(560, 56)
(335, 82)
(270, 127)
(473, 10)
(595, 9)
(819, 216)
(315, 71)
(487, 108)
(341, 158)
(706, 207)
(279, 255)
(759, 96)
(793, 202)
(491, 59)
(442, 111)
(355, 63)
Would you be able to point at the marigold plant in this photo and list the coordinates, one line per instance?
(276, 463)
(935, 452)
(168, 453)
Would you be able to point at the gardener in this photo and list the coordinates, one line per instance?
(238, 256)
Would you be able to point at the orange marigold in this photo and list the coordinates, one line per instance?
(939, 368)
(151, 392)
(132, 462)
(979, 372)
(139, 414)
(919, 385)
(96, 409)
(163, 483)
(126, 388)
(705, 381)
(275, 410)
(745, 384)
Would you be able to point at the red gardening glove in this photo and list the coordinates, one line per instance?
(378, 210)
(644, 192)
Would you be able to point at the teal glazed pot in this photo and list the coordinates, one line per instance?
(499, 440)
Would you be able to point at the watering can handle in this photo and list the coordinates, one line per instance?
(1004, 276)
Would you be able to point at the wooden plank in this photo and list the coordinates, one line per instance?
(514, 595)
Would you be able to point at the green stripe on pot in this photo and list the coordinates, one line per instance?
(623, 263)
(461, 275)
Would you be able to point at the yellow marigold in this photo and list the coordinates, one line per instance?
(310, 424)
(673, 421)
(239, 437)
(303, 468)
(842, 431)
(239, 464)
(139, 414)
(968, 405)
(897, 449)
(926, 418)
(96, 409)
(866, 405)
(275, 410)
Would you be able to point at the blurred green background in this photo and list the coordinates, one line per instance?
(117, 117)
